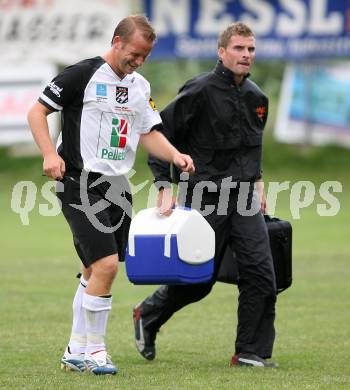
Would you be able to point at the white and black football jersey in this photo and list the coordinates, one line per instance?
(102, 116)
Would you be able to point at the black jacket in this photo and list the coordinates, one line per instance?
(219, 124)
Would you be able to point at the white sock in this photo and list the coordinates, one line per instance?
(96, 317)
(77, 342)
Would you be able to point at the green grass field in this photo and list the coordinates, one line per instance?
(38, 265)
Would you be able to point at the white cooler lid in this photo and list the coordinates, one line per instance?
(195, 237)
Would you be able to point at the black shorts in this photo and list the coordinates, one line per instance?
(96, 233)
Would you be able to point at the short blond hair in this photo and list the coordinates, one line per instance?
(127, 26)
(237, 28)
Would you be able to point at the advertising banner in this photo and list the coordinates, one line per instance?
(58, 31)
(285, 29)
(314, 106)
(35, 37)
(20, 87)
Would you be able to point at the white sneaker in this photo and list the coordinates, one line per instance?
(100, 363)
(72, 362)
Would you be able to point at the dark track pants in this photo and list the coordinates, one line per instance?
(256, 284)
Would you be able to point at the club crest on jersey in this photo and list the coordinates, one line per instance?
(121, 95)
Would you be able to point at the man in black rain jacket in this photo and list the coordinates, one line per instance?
(218, 118)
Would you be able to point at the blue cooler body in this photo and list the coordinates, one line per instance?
(178, 249)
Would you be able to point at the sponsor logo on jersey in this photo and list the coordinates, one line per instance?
(152, 104)
(122, 95)
(118, 140)
(55, 89)
(119, 133)
(122, 109)
(101, 90)
(109, 154)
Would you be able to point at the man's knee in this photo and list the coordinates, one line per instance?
(107, 267)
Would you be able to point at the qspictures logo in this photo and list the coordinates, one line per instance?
(304, 194)
(118, 140)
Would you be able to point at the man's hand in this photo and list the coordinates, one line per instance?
(54, 166)
(184, 162)
(166, 201)
(259, 185)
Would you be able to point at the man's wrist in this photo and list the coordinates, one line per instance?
(48, 153)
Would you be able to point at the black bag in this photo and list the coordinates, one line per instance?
(280, 233)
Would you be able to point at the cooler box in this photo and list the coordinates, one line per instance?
(178, 249)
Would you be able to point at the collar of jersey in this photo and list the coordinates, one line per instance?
(124, 79)
(226, 74)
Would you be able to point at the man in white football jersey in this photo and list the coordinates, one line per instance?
(106, 109)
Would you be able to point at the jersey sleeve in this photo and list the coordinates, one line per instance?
(62, 90)
(151, 115)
